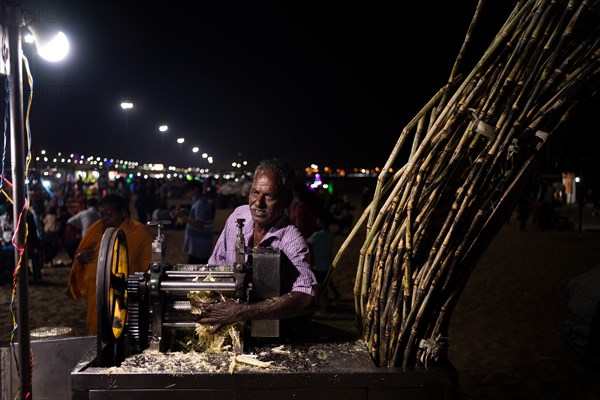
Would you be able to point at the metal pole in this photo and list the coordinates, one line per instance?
(17, 148)
(126, 125)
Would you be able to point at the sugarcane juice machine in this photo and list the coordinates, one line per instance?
(151, 309)
(147, 310)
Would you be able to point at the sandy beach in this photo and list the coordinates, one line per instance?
(505, 337)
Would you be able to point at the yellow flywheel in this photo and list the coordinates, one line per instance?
(111, 294)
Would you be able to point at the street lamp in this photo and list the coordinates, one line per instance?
(126, 106)
(163, 129)
(180, 141)
(51, 46)
(14, 71)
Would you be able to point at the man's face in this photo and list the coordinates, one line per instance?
(267, 203)
(110, 217)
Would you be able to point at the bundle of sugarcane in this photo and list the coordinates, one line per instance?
(475, 145)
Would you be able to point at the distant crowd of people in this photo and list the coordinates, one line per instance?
(58, 219)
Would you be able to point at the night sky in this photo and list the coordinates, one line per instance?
(331, 83)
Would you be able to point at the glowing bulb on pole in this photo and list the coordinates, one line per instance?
(126, 106)
(51, 47)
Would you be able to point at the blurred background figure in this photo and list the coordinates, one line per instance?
(304, 209)
(79, 224)
(340, 213)
(320, 244)
(114, 213)
(197, 241)
(7, 250)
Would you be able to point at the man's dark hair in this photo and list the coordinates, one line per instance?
(92, 202)
(116, 202)
(283, 173)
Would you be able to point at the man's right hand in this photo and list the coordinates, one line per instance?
(219, 314)
(85, 256)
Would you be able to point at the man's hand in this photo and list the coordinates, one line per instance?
(85, 256)
(219, 314)
(228, 312)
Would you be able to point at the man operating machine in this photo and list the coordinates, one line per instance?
(259, 273)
